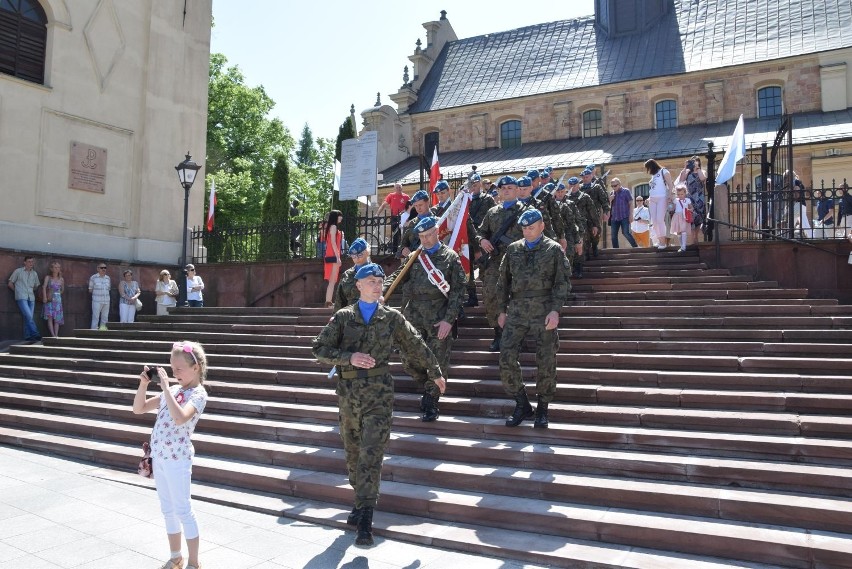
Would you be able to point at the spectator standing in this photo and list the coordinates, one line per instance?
(24, 282)
(845, 207)
(661, 196)
(621, 200)
(695, 179)
(641, 226)
(397, 201)
(99, 287)
(51, 297)
(825, 214)
(333, 238)
(166, 293)
(129, 292)
(194, 287)
(680, 226)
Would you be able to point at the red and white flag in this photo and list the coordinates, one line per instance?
(454, 224)
(211, 209)
(434, 176)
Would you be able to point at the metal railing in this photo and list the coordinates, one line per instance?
(759, 212)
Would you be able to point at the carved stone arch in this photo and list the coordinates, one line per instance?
(57, 13)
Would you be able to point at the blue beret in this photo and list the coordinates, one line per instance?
(548, 169)
(529, 217)
(494, 193)
(545, 175)
(370, 270)
(532, 174)
(586, 172)
(590, 166)
(426, 224)
(419, 195)
(525, 182)
(441, 186)
(561, 186)
(549, 187)
(475, 178)
(506, 180)
(358, 246)
(573, 181)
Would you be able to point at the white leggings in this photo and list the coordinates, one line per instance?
(658, 210)
(173, 478)
(126, 312)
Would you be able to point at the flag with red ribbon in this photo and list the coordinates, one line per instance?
(454, 224)
(211, 209)
(434, 176)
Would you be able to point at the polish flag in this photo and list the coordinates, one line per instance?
(211, 209)
(434, 176)
(454, 224)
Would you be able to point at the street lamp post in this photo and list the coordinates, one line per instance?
(186, 171)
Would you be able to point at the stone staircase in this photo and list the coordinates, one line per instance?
(701, 420)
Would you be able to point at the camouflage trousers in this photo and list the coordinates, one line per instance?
(527, 317)
(421, 315)
(366, 410)
(489, 291)
(577, 261)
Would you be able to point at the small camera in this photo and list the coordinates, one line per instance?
(152, 373)
(690, 165)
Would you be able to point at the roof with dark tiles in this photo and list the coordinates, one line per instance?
(569, 54)
(573, 154)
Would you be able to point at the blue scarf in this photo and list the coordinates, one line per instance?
(531, 244)
(432, 250)
(509, 205)
(367, 309)
(422, 215)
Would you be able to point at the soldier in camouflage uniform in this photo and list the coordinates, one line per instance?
(480, 202)
(532, 289)
(552, 226)
(590, 217)
(358, 340)
(493, 249)
(347, 292)
(575, 226)
(601, 200)
(430, 311)
(409, 241)
(442, 190)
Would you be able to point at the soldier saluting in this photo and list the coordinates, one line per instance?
(532, 289)
(434, 288)
(358, 340)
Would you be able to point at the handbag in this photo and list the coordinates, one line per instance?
(146, 465)
(138, 305)
(331, 259)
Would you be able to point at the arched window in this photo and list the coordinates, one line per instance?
(23, 39)
(769, 102)
(510, 134)
(592, 123)
(666, 114)
(430, 141)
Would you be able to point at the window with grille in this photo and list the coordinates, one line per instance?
(23, 39)
(592, 123)
(510, 134)
(666, 114)
(769, 102)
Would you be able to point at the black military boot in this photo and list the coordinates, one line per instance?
(594, 249)
(365, 527)
(495, 344)
(429, 407)
(471, 299)
(523, 409)
(354, 516)
(579, 273)
(540, 415)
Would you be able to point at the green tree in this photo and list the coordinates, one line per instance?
(276, 212)
(349, 208)
(306, 155)
(242, 143)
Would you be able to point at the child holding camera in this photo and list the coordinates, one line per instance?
(178, 409)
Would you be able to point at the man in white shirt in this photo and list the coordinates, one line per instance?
(99, 287)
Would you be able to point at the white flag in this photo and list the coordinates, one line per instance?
(734, 154)
(336, 185)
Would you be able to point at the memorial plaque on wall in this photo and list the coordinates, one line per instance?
(87, 168)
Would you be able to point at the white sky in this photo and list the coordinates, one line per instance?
(316, 58)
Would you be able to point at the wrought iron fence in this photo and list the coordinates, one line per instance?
(298, 239)
(785, 207)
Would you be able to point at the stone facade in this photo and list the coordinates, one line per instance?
(126, 77)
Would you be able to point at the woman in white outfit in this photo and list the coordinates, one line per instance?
(661, 195)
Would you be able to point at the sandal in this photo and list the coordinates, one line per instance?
(173, 564)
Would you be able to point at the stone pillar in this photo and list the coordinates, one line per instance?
(615, 114)
(564, 111)
(478, 131)
(714, 91)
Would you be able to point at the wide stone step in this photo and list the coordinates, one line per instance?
(688, 534)
(720, 294)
